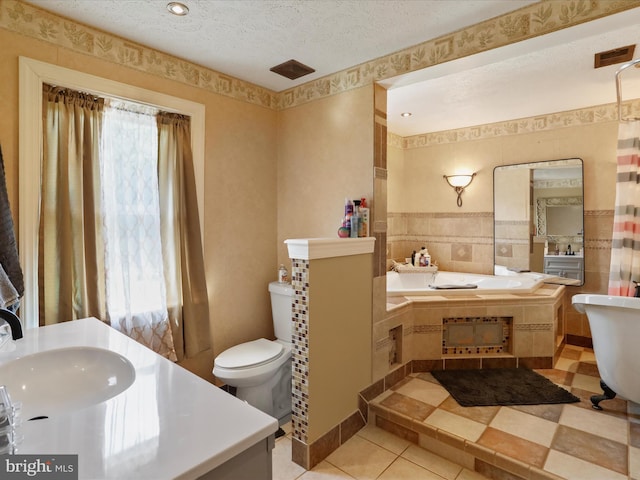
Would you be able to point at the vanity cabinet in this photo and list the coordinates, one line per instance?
(566, 266)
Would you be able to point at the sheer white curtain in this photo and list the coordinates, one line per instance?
(135, 285)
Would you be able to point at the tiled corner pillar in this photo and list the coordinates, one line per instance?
(331, 314)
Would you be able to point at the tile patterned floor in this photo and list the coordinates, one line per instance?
(371, 454)
(569, 441)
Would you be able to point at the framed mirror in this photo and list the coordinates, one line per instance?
(539, 219)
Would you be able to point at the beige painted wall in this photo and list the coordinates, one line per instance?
(240, 188)
(325, 153)
(424, 189)
(339, 337)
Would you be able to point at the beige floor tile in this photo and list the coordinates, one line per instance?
(597, 423)
(325, 471)
(470, 475)
(387, 440)
(573, 468)
(634, 411)
(512, 446)
(427, 392)
(566, 364)
(523, 425)
(283, 467)
(634, 462)
(361, 459)
(588, 356)
(478, 414)
(592, 448)
(403, 469)
(460, 426)
(432, 462)
(586, 382)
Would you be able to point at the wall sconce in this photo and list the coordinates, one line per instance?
(459, 183)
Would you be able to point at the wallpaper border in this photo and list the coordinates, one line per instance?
(533, 20)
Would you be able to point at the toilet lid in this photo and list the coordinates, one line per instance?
(250, 354)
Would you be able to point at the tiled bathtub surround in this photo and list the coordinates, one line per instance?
(532, 325)
(459, 242)
(446, 235)
(518, 442)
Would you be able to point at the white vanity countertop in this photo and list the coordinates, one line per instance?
(169, 424)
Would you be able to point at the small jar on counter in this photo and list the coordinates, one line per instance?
(283, 274)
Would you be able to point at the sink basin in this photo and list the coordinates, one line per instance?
(66, 379)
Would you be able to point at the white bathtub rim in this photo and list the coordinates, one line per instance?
(532, 283)
(581, 300)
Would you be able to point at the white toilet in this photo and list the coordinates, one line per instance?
(261, 369)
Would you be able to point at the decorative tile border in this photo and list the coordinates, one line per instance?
(300, 354)
(533, 327)
(527, 22)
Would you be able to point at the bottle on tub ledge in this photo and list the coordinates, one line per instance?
(355, 222)
(345, 228)
(364, 218)
(422, 258)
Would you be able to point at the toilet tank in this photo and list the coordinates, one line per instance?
(281, 294)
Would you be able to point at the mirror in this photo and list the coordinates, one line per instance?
(539, 218)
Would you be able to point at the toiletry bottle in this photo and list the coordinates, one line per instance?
(364, 218)
(283, 274)
(348, 211)
(355, 219)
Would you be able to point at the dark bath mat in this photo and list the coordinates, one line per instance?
(501, 386)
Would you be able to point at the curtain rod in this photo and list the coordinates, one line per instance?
(632, 63)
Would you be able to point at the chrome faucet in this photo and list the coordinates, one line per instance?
(13, 321)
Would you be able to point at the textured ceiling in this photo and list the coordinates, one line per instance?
(547, 74)
(245, 38)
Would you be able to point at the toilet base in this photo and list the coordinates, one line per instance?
(272, 397)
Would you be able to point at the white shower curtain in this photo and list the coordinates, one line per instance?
(625, 248)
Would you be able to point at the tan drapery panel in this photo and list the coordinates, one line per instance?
(181, 241)
(71, 261)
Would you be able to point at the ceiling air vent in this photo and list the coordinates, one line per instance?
(292, 69)
(611, 57)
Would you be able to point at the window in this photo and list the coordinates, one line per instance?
(133, 252)
(32, 75)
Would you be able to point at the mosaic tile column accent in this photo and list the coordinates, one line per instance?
(300, 354)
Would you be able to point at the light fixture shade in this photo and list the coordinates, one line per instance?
(461, 181)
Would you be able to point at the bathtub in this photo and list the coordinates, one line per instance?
(615, 329)
(455, 283)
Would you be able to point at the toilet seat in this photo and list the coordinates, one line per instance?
(250, 354)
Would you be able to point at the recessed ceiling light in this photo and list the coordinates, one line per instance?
(405, 114)
(178, 8)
